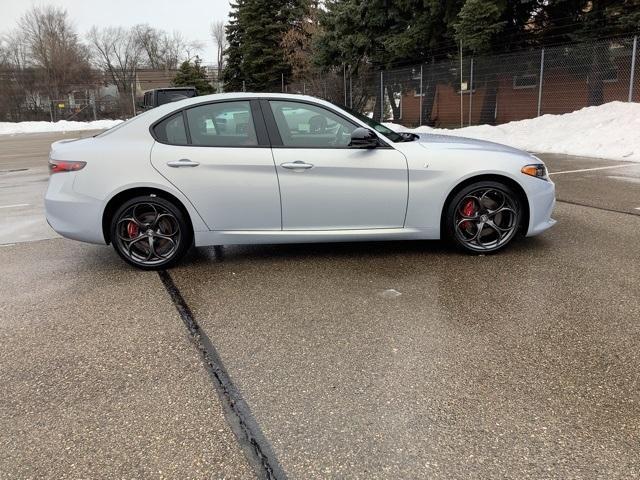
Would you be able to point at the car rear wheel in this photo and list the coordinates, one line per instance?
(150, 232)
(484, 217)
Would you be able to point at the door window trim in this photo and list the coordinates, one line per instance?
(256, 115)
(274, 133)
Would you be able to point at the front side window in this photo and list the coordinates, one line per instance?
(228, 124)
(171, 130)
(303, 125)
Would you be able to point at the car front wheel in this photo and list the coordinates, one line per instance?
(150, 232)
(484, 216)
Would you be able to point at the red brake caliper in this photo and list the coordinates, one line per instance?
(468, 209)
(132, 230)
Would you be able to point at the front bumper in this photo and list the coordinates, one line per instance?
(542, 200)
(70, 214)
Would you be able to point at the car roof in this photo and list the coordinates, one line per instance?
(149, 117)
(167, 108)
(245, 95)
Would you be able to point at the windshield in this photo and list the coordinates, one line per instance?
(378, 127)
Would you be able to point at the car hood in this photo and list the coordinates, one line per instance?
(450, 142)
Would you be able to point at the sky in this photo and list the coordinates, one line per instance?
(191, 17)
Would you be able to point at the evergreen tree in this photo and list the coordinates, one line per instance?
(232, 73)
(193, 75)
(382, 33)
(255, 54)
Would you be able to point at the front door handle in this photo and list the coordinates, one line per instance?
(297, 165)
(183, 162)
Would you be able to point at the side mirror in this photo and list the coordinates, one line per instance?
(363, 138)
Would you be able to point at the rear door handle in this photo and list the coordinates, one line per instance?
(297, 165)
(183, 162)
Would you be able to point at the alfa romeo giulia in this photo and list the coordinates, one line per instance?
(242, 168)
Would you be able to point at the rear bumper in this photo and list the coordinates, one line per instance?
(542, 200)
(70, 214)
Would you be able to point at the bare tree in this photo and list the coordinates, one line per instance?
(219, 36)
(163, 51)
(16, 77)
(118, 52)
(52, 44)
(190, 49)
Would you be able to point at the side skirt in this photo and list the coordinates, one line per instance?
(252, 237)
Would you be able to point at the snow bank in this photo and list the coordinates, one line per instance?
(60, 126)
(608, 131)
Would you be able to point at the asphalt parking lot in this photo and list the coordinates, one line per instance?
(378, 360)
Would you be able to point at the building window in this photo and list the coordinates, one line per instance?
(525, 81)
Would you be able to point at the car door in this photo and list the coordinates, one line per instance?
(324, 184)
(218, 155)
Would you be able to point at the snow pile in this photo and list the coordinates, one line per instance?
(608, 131)
(8, 128)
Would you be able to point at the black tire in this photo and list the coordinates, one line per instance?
(483, 217)
(150, 233)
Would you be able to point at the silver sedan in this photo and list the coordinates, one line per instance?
(275, 168)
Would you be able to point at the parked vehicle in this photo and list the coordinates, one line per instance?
(275, 168)
(160, 96)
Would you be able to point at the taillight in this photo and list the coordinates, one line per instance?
(59, 166)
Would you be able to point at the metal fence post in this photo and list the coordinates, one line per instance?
(344, 82)
(421, 94)
(381, 96)
(633, 68)
(461, 97)
(350, 90)
(92, 99)
(470, 90)
(540, 82)
(133, 99)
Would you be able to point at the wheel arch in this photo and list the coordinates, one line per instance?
(121, 197)
(510, 182)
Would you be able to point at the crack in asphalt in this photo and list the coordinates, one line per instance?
(597, 208)
(255, 446)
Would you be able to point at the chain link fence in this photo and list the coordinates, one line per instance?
(488, 89)
(458, 92)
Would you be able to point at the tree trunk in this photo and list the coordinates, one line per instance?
(394, 108)
(379, 100)
(599, 66)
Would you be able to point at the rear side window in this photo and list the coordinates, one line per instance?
(171, 130)
(228, 124)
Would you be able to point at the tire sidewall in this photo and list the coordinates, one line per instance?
(186, 234)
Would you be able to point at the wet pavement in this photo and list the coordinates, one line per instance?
(99, 377)
(375, 360)
(522, 365)
(607, 184)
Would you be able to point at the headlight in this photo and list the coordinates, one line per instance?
(537, 170)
